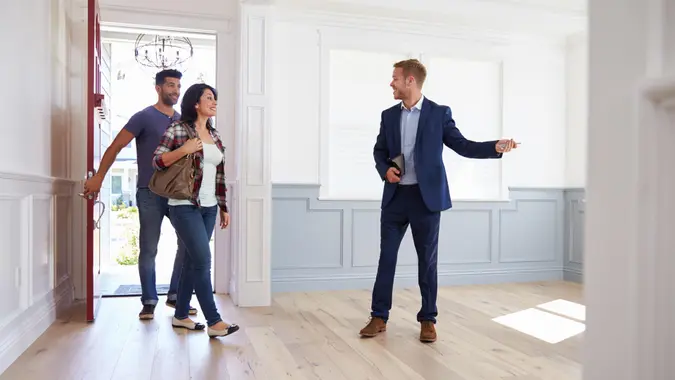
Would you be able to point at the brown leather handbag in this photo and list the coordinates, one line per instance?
(177, 181)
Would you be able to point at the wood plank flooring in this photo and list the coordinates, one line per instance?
(312, 336)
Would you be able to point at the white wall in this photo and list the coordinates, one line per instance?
(34, 103)
(577, 110)
(529, 85)
(36, 185)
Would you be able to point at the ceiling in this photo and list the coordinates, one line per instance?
(557, 18)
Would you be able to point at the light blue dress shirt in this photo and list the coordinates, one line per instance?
(409, 122)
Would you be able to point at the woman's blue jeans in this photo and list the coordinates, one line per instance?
(194, 227)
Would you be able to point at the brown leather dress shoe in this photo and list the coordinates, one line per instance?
(375, 326)
(428, 332)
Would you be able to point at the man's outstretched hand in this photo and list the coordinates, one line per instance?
(504, 146)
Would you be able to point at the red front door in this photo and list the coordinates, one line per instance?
(95, 207)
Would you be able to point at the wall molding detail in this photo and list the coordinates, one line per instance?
(537, 235)
(575, 208)
(36, 257)
(33, 322)
(250, 278)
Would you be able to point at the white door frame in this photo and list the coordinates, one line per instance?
(242, 260)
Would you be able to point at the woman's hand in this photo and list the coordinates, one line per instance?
(192, 146)
(224, 219)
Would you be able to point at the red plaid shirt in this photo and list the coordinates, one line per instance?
(174, 137)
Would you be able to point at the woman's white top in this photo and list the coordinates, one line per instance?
(207, 192)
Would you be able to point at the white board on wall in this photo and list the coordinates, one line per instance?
(472, 90)
(359, 91)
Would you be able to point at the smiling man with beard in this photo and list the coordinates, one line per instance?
(147, 127)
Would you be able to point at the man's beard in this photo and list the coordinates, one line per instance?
(166, 99)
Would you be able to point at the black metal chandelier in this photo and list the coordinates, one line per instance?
(163, 52)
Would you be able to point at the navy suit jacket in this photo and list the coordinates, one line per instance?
(436, 128)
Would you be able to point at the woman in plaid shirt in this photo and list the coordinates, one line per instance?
(194, 219)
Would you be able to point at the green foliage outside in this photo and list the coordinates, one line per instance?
(129, 254)
(128, 217)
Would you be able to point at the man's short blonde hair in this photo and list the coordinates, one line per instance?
(414, 68)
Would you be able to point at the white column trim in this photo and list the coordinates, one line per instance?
(251, 283)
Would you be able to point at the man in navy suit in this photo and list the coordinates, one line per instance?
(416, 192)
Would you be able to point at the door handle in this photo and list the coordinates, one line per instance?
(97, 224)
(90, 196)
(90, 174)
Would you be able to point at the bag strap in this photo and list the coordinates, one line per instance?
(188, 129)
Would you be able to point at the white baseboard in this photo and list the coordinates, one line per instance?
(28, 326)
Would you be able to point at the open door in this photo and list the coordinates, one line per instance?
(95, 116)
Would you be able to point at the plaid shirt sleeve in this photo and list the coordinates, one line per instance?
(221, 187)
(168, 143)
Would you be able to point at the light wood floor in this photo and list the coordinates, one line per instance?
(312, 336)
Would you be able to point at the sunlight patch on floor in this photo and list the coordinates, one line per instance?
(566, 308)
(542, 325)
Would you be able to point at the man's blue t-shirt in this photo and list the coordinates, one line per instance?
(148, 126)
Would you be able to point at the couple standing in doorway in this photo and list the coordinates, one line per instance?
(161, 136)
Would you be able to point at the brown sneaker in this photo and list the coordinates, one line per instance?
(374, 327)
(428, 332)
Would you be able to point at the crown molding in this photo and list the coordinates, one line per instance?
(124, 15)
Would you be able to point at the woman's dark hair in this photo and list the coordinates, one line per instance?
(191, 98)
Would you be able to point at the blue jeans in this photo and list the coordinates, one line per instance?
(151, 212)
(194, 227)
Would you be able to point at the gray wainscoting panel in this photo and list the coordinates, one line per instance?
(575, 203)
(334, 244)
